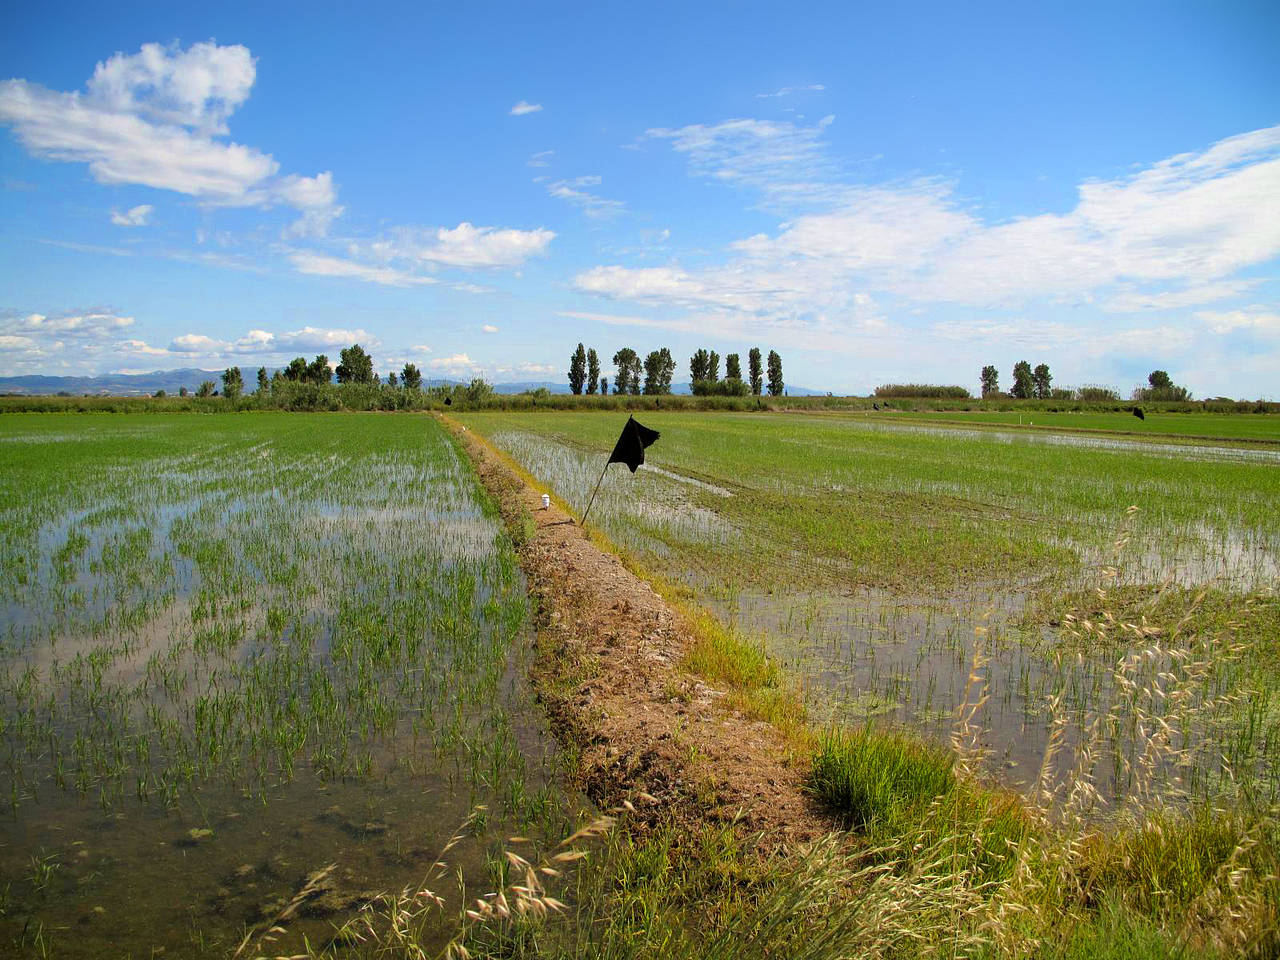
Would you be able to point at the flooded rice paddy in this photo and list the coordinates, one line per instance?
(251, 667)
(770, 542)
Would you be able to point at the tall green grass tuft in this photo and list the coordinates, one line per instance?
(880, 779)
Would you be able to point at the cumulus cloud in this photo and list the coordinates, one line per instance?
(85, 339)
(522, 108)
(196, 343)
(138, 216)
(33, 341)
(266, 343)
(156, 119)
(315, 198)
(489, 328)
(79, 326)
(458, 365)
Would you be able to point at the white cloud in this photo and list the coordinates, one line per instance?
(80, 326)
(196, 343)
(317, 264)
(316, 198)
(541, 159)
(153, 119)
(199, 88)
(529, 367)
(457, 365)
(786, 162)
(522, 108)
(1133, 300)
(87, 248)
(1256, 319)
(420, 348)
(34, 342)
(787, 91)
(610, 319)
(489, 328)
(142, 349)
(592, 205)
(463, 246)
(1189, 222)
(138, 216)
(322, 338)
(264, 343)
(81, 340)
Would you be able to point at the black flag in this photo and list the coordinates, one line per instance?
(1137, 412)
(631, 444)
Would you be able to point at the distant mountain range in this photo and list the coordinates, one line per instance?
(171, 381)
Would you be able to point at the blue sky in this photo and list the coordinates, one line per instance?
(879, 194)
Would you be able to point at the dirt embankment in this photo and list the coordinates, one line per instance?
(608, 670)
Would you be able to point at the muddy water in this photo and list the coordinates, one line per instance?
(226, 670)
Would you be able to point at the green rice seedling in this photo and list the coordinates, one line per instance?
(250, 610)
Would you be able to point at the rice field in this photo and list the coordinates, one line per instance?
(254, 671)
(1260, 428)
(878, 560)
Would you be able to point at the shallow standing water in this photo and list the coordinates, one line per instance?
(867, 654)
(236, 651)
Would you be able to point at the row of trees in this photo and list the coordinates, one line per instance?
(355, 365)
(659, 366)
(1029, 383)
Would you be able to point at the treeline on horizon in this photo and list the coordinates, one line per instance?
(659, 367)
(352, 384)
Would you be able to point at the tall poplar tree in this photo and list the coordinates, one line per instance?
(756, 370)
(578, 369)
(775, 374)
(732, 367)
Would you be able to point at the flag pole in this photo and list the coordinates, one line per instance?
(594, 492)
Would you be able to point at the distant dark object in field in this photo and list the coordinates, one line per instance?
(448, 401)
(1137, 412)
(876, 405)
